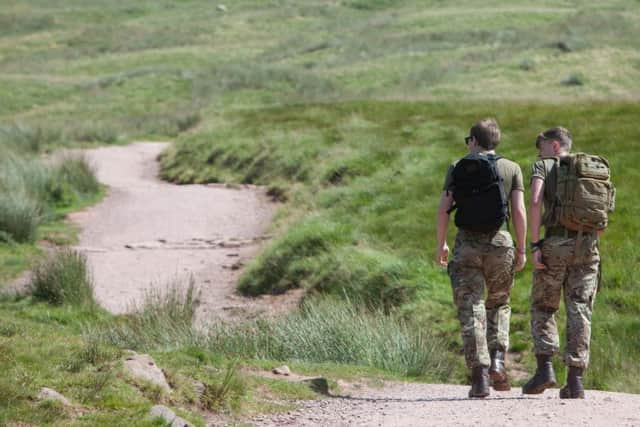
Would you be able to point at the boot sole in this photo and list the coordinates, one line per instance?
(499, 381)
(478, 395)
(541, 388)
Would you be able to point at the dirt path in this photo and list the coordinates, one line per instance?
(413, 404)
(148, 233)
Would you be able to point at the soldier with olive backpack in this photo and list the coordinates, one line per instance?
(577, 195)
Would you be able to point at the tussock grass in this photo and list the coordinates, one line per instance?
(227, 392)
(164, 318)
(63, 279)
(31, 190)
(20, 216)
(333, 331)
(321, 331)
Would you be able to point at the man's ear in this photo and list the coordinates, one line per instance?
(556, 146)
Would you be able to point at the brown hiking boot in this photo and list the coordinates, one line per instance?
(574, 388)
(544, 378)
(497, 371)
(479, 382)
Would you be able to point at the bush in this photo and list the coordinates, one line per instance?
(63, 279)
(19, 216)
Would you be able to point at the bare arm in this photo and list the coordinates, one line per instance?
(442, 223)
(535, 217)
(520, 227)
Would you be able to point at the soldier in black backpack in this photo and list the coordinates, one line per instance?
(479, 188)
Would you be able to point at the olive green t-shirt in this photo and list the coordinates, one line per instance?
(509, 171)
(545, 169)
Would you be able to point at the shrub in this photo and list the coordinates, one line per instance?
(63, 279)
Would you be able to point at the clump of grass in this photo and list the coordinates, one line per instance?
(165, 318)
(71, 179)
(95, 132)
(322, 330)
(329, 330)
(574, 79)
(63, 279)
(527, 65)
(282, 266)
(226, 392)
(20, 216)
(26, 138)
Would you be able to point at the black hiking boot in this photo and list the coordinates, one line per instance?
(544, 378)
(497, 371)
(479, 382)
(574, 388)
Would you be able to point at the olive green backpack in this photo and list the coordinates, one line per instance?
(585, 195)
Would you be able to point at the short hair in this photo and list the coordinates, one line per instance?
(487, 133)
(560, 134)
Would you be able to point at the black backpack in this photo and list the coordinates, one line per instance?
(480, 201)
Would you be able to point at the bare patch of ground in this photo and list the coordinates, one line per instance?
(415, 404)
(147, 234)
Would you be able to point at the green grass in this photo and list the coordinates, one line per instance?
(349, 112)
(365, 186)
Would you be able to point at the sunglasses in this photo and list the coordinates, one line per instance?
(467, 139)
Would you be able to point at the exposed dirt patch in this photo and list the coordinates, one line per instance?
(148, 234)
(413, 404)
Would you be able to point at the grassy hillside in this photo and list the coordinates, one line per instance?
(349, 111)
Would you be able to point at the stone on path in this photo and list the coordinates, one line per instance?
(169, 416)
(282, 370)
(50, 394)
(142, 366)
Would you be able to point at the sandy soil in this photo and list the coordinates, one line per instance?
(147, 233)
(413, 404)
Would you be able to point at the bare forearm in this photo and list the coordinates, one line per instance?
(535, 216)
(520, 228)
(519, 219)
(442, 221)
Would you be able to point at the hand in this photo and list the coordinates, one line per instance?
(521, 260)
(442, 255)
(537, 260)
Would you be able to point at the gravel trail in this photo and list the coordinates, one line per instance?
(416, 404)
(147, 234)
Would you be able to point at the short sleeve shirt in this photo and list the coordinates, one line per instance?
(509, 171)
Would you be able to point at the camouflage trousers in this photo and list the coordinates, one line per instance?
(482, 260)
(573, 271)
